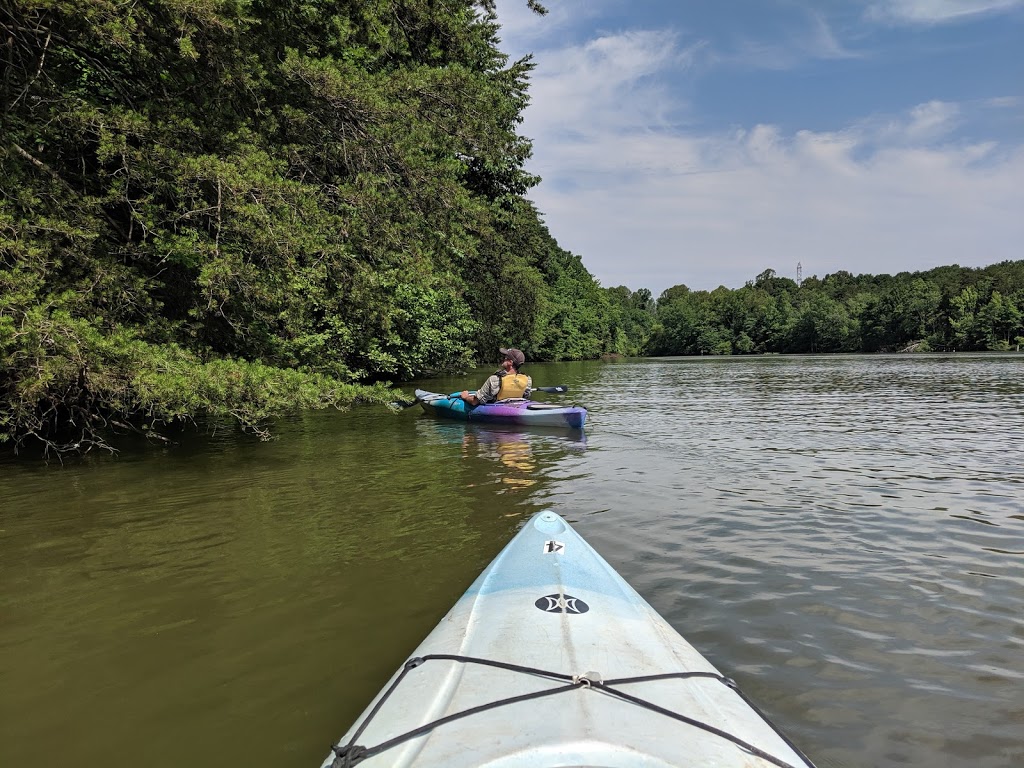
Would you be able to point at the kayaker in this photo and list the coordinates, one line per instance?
(505, 383)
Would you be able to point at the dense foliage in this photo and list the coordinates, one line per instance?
(238, 207)
(945, 309)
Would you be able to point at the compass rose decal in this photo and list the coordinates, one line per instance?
(562, 604)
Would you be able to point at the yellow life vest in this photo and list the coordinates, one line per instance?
(512, 385)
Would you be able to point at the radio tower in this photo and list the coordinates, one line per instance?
(799, 273)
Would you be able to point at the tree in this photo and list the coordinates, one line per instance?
(286, 195)
(999, 321)
(822, 325)
(963, 318)
(632, 319)
(846, 313)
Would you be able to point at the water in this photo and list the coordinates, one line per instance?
(842, 535)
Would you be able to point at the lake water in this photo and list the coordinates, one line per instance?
(844, 536)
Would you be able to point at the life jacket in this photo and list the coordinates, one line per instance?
(512, 385)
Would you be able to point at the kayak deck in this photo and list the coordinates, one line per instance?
(525, 413)
(559, 662)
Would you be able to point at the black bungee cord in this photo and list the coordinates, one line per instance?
(352, 754)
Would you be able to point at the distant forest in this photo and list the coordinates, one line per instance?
(948, 309)
(238, 209)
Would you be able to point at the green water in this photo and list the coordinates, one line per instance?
(845, 536)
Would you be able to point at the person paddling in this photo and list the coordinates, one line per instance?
(505, 383)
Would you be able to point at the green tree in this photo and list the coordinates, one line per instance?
(822, 325)
(575, 320)
(258, 192)
(999, 321)
(964, 319)
(689, 323)
(632, 319)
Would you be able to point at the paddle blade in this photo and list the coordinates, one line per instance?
(561, 389)
(401, 405)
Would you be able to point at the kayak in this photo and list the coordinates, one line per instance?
(518, 412)
(551, 659)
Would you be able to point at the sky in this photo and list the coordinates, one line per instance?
(703, 142)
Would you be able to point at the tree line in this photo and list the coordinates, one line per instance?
(238, 208)
(949, 308)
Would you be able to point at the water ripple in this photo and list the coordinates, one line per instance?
(856, 522)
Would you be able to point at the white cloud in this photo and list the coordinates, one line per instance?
(822, 42)
(935, 11)
(928, 122)
(649, 201)
(650, 205)
(754, 200)
(1003, 102)
(607, 82)
(800, 43)
(932, 119)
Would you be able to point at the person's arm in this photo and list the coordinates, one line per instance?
(485, 394)
(529, 387)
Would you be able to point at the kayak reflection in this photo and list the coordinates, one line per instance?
(512, 449)
(521, 456)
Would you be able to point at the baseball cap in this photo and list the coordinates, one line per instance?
(515, 355)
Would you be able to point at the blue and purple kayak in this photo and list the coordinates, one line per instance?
(518, 412)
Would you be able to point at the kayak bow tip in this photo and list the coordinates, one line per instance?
(548, 522)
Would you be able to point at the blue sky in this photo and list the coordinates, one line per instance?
(703, 142)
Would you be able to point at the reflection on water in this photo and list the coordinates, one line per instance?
(843, 535)
(514, 449)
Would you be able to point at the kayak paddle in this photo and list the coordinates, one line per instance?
(401, 405)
